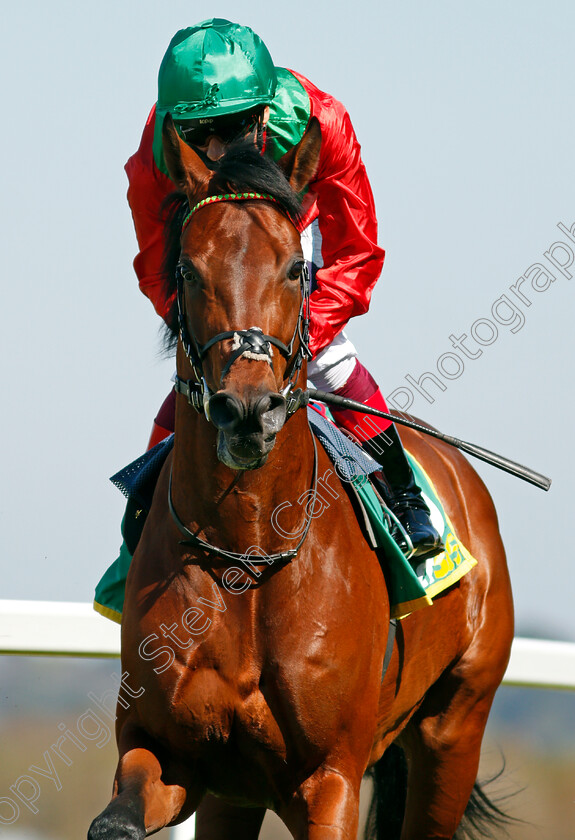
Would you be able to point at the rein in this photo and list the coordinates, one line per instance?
(252, 342)
(281, 557)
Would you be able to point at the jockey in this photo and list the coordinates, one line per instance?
(218, 82)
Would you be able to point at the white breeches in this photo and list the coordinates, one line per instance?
(333, 366)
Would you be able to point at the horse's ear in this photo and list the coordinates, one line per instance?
(300, 163)
(186, 168)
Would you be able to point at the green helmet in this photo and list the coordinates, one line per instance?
(212, 69)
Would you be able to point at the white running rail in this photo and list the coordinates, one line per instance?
(61, 628)
(53, 628)
(56, 628)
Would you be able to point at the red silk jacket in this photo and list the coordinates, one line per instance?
(340, 197)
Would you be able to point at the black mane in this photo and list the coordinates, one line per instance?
(242, 169)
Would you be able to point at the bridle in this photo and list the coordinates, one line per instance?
(251, 343)
(254, 344)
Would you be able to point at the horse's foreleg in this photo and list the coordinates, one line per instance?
(148, 795)
(325, 807)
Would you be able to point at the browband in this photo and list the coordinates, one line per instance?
(245, 196)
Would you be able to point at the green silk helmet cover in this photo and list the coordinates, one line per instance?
(214, 68)
(217, 68)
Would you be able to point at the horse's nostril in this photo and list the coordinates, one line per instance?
(230, 414)
(226, 411)
(277, 401)
(268, 403)
(270, 412)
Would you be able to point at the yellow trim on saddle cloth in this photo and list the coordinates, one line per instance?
(442, 571)
(108, 612)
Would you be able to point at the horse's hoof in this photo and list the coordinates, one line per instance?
(117, 823)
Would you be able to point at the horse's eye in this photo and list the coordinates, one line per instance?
(188, 275)
(296, 270)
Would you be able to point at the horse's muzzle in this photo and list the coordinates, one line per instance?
(247, 427)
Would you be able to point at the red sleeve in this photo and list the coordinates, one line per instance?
(341, 193)
(147, 189)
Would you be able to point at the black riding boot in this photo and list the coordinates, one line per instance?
(402, 494)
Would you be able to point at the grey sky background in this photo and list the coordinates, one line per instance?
(464, 112)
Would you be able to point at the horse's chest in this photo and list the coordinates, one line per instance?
(228, 723)
(210, 710)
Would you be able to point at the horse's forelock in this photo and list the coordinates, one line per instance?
(241, 169)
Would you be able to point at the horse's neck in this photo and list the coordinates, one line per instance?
(236, 510)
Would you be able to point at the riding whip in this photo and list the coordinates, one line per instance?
(477, 451)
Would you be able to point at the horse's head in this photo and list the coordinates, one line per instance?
(241, 288)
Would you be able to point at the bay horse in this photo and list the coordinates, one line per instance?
(256, 619)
